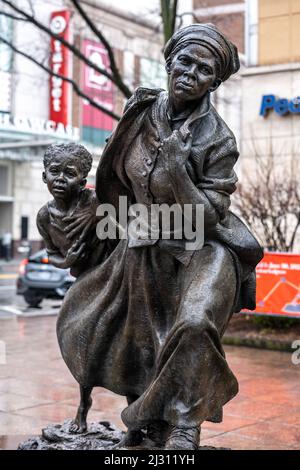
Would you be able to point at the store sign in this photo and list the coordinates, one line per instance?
(6, 61)
(60, 97)
(97, 86)
(38, 126)
(281, 106)
(278, 288)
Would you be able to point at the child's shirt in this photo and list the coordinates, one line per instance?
(52, 227)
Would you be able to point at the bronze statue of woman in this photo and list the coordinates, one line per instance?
(147, 323)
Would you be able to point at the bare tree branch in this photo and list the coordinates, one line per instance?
(31, 7)
(67, 44)
(13, 17)
(187, 13)
(269, 201)
(62, 77)
(115, 71)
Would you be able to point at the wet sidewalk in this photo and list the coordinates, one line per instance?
(36, 388)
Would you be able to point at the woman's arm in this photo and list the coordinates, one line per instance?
(215, 185)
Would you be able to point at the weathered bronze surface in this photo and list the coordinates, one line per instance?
(145, 317)
(99, 436)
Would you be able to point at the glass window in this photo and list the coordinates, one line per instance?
(153, 74)
(4, 180)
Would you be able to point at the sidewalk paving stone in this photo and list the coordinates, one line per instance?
(36, 389)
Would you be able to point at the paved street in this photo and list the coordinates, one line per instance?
(12, 304)
(8, 274)
(36, 388)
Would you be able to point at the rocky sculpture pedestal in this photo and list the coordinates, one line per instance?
(99, 436)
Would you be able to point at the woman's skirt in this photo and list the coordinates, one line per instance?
(142, 324)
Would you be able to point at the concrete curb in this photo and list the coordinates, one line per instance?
(259, 343)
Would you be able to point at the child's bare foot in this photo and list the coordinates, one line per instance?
(79, 424)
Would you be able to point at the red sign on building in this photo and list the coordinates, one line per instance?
(98, 87)
(278, 285)
(60, 99)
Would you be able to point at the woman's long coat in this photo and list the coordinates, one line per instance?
(210, 166)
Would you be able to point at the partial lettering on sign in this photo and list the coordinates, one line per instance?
(60, 102)
(37, 126)
(281, 106)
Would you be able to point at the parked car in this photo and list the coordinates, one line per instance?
(38, 279)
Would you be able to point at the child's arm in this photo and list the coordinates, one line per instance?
(54, 255)
(85, 220)
(73, 255)
(71, 258)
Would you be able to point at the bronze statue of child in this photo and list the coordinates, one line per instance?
(67, 223)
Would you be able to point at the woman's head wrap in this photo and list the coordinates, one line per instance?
(209, 36)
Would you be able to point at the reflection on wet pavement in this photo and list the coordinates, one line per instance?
(20, 308)
(36, 388)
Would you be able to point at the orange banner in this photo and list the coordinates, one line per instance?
(278, 285)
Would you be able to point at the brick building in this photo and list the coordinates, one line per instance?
(227, 15)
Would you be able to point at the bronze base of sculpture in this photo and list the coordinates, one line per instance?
(99, 436)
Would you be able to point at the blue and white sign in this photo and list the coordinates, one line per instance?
(281, 106)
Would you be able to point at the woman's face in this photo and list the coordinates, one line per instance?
(193, 72)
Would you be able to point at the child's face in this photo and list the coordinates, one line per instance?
(64, 178)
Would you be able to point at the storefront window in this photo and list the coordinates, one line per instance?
(153, 74)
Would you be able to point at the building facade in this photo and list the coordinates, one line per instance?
(271, 94)
(265, 94)
(270, 83)
(267, 34)
(260, 103)
(36, 110)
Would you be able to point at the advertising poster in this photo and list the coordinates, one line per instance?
(96, 124)
(278, 285)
